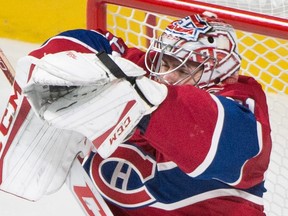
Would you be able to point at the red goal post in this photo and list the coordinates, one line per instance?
(242, 20)
(263, 45)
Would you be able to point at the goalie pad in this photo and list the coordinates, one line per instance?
(35, 158)
(103, 108)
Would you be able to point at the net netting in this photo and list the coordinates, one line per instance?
(264, 57)
(278, 8)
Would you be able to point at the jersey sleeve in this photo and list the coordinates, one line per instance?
(79, 40)
(209, 136)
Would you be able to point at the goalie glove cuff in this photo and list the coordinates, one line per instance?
(151, 92)
(154, 92)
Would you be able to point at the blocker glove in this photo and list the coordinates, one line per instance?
(101, 96)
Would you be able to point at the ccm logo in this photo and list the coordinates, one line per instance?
(10, 110)
(120, 130)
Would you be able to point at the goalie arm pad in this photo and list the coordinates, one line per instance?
(105, 110)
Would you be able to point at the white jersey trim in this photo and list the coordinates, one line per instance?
(72, 39)
(260, 142)
(209, 195)
(215, 141)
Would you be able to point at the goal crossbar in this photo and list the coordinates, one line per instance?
(243, 20)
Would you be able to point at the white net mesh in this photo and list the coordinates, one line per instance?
(278, 8)
(265, 58)
(276, 199)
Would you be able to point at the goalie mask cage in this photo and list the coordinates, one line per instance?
(263, 44)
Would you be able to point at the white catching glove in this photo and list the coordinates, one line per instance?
(75, 91)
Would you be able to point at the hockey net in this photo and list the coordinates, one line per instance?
(262, 31)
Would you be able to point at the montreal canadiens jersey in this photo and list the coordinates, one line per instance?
(199, 153)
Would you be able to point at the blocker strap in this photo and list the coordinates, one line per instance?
(118, 73)
(113, 67)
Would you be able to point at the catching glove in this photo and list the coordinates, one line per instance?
(103, 97)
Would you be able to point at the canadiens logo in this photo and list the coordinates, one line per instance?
(121, 177)
(188, 28)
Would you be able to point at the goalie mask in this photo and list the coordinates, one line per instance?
(198, 47)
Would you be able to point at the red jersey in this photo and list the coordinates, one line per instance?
(199, 153)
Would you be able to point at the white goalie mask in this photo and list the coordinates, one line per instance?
(208, 42)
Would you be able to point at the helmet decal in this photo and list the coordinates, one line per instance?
(188, 28)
